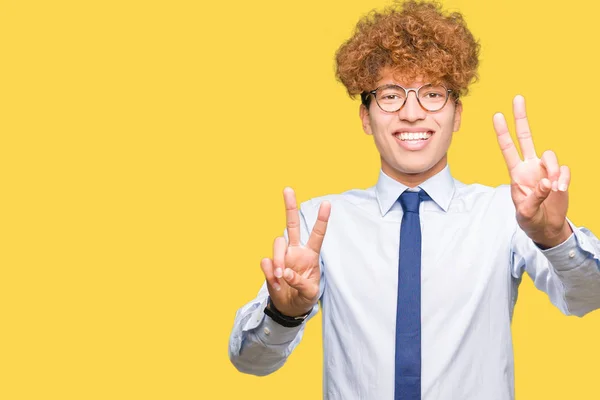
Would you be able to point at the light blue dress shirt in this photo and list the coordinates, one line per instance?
(473, 258)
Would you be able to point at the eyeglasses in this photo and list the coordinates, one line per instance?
(391, 98)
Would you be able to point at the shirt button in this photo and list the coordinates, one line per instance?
(267, 331)
(572, 254)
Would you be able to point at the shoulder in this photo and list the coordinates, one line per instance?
(475, 194)
(479, 190)
(348, 201)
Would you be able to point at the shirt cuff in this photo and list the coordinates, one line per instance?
(269, 331)
(257, 315)
(569, 254)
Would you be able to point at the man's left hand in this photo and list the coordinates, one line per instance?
(539, 187)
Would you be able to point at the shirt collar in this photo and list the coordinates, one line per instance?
(439, 187)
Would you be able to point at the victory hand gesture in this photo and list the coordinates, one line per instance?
(294, 273)
(538, 186)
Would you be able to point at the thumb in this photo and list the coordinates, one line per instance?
(536, 198)
(305, 287)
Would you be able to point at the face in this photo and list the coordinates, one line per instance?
(411, 161)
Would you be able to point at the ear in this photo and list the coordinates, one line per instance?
(457, 115)
(366, 121)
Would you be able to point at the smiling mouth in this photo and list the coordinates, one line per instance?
(413, 136)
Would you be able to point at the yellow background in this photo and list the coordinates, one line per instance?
(144, 146)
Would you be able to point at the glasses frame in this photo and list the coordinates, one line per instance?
(406, 92)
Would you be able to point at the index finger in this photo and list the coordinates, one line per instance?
(318, 233)
(509, 151)
(522, 127)
(291, 216)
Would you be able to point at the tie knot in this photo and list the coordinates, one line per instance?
(410, 200)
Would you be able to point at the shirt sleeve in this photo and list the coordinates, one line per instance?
(257, 344)
(569, 272)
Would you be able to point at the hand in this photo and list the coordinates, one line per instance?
(538, 186)
(294, 273)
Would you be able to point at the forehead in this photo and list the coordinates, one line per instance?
(388, 76)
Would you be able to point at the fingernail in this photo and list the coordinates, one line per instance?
(563, 187)
(276, 286)
(288, 273)
(554, 186)
(278, 273)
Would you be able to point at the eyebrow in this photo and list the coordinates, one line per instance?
(389, 85)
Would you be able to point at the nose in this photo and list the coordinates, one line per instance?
(412, 110)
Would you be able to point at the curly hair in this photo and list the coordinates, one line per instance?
(414, 39)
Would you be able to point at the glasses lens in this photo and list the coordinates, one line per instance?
(432, 97)
(390, 98)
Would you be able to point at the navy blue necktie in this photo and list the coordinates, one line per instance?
(408, 309)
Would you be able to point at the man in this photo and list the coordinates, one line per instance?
(417, 277)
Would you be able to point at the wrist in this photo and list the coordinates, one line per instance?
(547, 243)
(289, 321)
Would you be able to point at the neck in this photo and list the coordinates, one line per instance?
(414, 179)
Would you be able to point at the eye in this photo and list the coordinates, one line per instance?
(391, 94)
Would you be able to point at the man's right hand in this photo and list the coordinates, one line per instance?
(294, 272)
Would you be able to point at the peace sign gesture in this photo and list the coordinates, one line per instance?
(538, 186)
(294, 273)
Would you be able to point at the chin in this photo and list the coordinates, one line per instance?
(414, 169)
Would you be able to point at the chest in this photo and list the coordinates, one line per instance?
(464, 264)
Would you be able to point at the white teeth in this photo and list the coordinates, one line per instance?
(413, 135)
